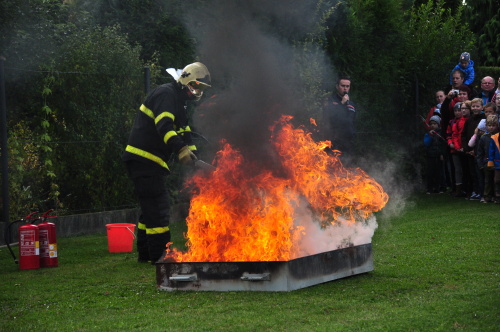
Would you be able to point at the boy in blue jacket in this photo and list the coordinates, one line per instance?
(494, 162)
(465, 65)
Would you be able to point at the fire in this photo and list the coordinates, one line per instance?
(242, 215)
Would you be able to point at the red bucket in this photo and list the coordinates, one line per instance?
(120, 237)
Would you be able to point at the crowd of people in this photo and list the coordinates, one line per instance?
(462, 141)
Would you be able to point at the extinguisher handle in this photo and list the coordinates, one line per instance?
(30, 216)
(46, 215)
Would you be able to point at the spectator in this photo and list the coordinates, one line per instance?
(338, 117)
(457, 80)
(487, 91)
(494, 163)
(458, 94)
(435, 146)
(466, 65)
(489, 109)
(497, 103)
(482, 158)
(497, 91)
(474, 144)
(436, 109)
(471, 173)
(453, 136)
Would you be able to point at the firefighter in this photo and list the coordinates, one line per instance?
(160, 129)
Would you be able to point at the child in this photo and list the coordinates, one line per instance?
(489, 109)
(453, 135)
(494, 163)
(472, 172)
(434, 146)
(465, 65)
(482, 158)
(497, 103)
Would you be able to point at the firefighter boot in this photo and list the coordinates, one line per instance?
(157, 244)
(142, 244)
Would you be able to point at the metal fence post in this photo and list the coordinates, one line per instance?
(4, 152)
(147, 79)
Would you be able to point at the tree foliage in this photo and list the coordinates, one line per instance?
(70, 108)
(435, 38)
(92, 110)
(484, 19)
(154, 25)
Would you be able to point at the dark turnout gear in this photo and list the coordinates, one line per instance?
(160, 129)
(153, 232)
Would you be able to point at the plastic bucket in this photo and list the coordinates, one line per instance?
(120, 237)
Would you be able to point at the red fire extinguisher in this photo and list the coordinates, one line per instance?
(29, 244)
(48, 241)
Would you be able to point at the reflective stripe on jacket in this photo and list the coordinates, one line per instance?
(160, 127)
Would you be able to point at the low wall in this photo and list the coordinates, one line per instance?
(81, 224)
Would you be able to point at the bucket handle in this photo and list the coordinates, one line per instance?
(128, 229)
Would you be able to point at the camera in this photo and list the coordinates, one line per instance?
(455, 92)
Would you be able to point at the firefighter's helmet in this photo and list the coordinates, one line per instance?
(196, 78)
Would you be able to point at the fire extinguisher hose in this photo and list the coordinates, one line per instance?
(8, 239)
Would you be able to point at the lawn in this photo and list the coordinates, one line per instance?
(437, 268)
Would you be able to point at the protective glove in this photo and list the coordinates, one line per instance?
(186, 156)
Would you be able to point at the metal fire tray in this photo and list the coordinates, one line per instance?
(265, 276)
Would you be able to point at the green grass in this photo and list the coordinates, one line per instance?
(437, 268)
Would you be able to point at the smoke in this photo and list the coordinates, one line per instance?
(247, 48)
(388, 174)
(317, 238)
(336, 236)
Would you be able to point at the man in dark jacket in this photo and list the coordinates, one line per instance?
(487, 91)
(338, 117)
(160, 129)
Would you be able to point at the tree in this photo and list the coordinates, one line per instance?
(155, 25)
(92, 103)
(73, 90)
(434, 39)
(484, 19)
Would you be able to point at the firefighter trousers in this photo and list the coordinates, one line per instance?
(153, 232)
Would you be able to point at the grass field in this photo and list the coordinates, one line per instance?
(437, 268)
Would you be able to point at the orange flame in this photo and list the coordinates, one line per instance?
(235, 216)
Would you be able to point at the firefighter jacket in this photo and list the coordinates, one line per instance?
(160, 129)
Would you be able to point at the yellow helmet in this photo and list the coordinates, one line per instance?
(196, 78)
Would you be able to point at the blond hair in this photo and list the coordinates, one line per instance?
(477, 100)
(467, 103)
(492, 120)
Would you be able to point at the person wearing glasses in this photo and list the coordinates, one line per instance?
(487, 91)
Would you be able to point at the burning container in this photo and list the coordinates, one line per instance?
(254, 229)
(265, 276)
